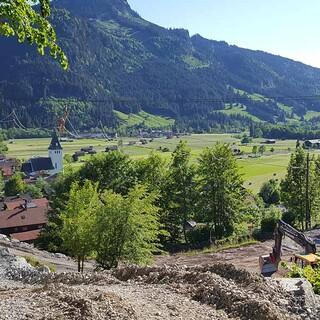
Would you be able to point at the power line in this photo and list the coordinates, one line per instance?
(233, 99)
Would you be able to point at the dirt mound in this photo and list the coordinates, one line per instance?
(239, 293)
(217, 291)
(57, 302)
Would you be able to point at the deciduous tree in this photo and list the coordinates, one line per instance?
(78, 220)
(27, 22)
(127, 228)
(15, 185)
(221, 189)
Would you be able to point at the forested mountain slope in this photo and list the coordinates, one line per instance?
(119, 61)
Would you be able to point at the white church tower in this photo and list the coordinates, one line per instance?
(56, 154)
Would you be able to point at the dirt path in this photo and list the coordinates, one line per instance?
(246, 257)
(62, 263)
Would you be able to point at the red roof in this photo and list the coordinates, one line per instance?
(26, 236)
(7, 170)
(17, 203)
(19, 216)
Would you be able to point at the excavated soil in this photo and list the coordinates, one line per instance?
(181, 290)
(217, 292)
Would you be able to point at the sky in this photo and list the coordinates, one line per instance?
(290, 28)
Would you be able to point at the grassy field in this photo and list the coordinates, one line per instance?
(143, 118)
(255, 170)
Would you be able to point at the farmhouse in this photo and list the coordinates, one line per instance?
(50, 165)
(23, 218)
(312, 144)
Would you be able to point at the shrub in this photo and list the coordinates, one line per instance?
(34, 262)
(312, 275)
(199, 234)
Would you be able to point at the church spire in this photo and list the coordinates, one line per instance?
(55, 143)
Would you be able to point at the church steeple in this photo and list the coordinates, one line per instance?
(56, 154)
(55, 143)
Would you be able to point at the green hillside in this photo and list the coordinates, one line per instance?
(119, 61)
(143, 119)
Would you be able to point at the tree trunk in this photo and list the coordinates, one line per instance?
(79, 264)
(82, 264)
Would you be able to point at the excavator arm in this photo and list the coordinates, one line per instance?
(269, 264)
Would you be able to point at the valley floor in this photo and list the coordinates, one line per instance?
(255, 170)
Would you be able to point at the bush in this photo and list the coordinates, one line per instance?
(289, 218)
(270, 219)
(37, 264)
(270, 192)
(268, 224)
(200, 234)
(312, 275)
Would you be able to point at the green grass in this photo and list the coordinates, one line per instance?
(194, 63)
(311, 114)
(143, 118)
(255, 170)
(258, 97)
(239, 110)
(37, 264)
(216, 249)
(27, 148)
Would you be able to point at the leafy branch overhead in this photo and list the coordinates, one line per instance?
(22, 19)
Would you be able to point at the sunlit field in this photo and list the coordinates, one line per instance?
(255, 170)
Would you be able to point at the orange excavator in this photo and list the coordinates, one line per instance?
(269, 264)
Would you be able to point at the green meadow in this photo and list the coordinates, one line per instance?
(255, 170)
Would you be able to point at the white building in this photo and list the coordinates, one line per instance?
(56, 154)
(46, 165)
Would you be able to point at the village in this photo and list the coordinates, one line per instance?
(159, 160)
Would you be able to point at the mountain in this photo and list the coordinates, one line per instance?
(121, 62)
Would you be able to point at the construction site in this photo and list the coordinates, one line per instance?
(223, 285)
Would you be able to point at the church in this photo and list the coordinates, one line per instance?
(51, 165)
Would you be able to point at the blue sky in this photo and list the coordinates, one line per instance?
(290, 28)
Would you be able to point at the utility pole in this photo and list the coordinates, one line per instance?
(308, 214)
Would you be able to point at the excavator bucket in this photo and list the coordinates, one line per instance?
(267, 265)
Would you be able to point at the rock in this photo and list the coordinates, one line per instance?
(4, 237)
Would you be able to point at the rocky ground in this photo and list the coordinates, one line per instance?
(219, 291)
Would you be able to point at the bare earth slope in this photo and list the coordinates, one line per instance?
(219, 291)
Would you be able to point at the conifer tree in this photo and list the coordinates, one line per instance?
(180, 193)
(293, 187)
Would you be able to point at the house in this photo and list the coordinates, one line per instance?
(312, 144)
(50, 165)
(7, 166)
(23, 218)
(190, 225)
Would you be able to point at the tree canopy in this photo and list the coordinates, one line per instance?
(28, 22)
